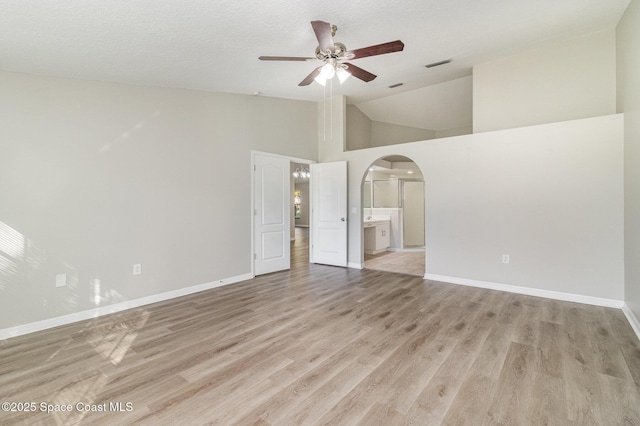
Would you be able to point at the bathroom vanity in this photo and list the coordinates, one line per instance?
(377, 235)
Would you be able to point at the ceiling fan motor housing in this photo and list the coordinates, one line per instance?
(338, 52)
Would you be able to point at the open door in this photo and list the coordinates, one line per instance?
(328, 189)
(271, 214)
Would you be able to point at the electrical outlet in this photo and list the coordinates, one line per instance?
(61, 280)
(505, 258)
(137, 269)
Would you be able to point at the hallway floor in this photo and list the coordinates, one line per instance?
(403, 262)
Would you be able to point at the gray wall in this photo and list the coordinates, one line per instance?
(628, 55)
(95, 177)
(454, 132)
(358, 129)
(556, 82)
(361, 132)
(392, 134)
(305, 196)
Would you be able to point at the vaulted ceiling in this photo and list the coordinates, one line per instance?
(214, 45)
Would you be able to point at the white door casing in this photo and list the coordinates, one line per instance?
(271, 214)
(328, 187)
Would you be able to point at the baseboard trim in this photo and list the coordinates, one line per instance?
(19, 330)
(633, 320)
(355, 265)
(549, 294)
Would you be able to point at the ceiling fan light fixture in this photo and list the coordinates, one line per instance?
(328, 70)
(342, 74)
(321, 79)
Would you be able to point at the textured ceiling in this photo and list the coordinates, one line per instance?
(214, 45)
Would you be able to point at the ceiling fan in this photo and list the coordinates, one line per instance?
(334, 55)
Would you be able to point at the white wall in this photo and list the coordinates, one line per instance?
(628, 55)
(560, 81)
(95, 177)
(550, 196)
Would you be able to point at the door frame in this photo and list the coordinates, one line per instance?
(251, 212)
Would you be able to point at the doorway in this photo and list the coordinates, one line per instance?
(328, 213)
(300, 214)
(393, 191)
(272, 211)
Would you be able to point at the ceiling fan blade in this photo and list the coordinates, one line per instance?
(285, 58)
(378, 49)
(358, 72)
(309, 79)
(323, 34)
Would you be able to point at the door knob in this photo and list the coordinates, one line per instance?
(342, 219)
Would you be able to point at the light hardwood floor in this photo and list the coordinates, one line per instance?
(402, 262)
(323, 345)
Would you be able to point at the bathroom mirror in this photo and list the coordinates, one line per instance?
(385, 193)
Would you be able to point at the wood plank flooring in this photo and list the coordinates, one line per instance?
(319, 345)
(402, 262)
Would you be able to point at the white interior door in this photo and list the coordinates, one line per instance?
(271, 214)
(329, 213)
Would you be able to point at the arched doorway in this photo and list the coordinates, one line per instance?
(393, 194)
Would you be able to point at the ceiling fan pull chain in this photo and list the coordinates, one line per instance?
(331, 109)
(324, 113)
